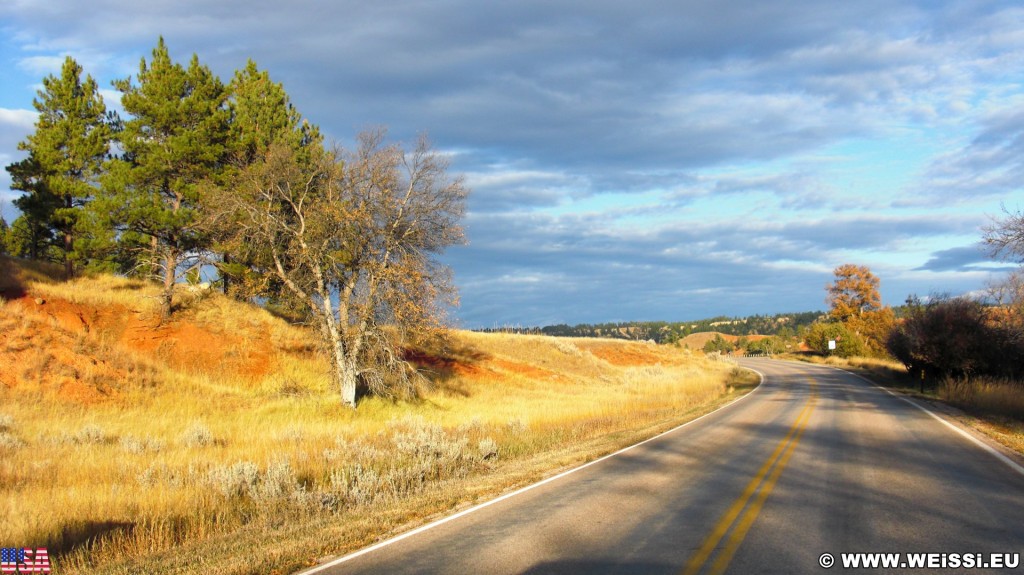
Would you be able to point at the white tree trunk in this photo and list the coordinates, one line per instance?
(348, 377)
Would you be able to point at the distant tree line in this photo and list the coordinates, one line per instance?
(787, 325)
(202, 175)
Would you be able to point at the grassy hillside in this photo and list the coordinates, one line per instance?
(131, 445)
(697, 341)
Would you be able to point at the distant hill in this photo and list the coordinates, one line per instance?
(783, 324)
(698, 340)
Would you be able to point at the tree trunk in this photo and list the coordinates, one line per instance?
(69, 266)
(346, 376)
(168, 294)
(345, 371)
(226, 277)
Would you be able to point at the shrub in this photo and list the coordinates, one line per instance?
(91, 434)
(197, 435)
(848, 343)
(718, 344)
(237, 480)
(768, 345)
(488, 448)
(948, 337)
(9, 441)
(137, 445)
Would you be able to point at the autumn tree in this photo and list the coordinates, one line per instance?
(65, 157)
(174, 142)
(261, 114)
(854, 291)
(354, 236)
(854, 301)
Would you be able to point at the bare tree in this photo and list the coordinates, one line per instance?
(354, 236)
(1005, 237)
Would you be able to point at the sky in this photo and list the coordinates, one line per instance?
(628, 161)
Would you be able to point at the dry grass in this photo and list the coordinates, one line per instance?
(993, 396)
(990, 405)
(136, 444)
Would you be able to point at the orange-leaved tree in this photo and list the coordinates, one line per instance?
(854, 301)
(854, 291)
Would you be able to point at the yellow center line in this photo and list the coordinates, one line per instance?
(774, 465)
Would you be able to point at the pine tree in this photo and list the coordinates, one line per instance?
(31, 235)
(261, 115)
(4, 233)
(66, 155)
(175, 144)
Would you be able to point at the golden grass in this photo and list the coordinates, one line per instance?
(991, 405)
(994, 396)
(120, 451)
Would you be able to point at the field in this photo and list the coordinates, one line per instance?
(134, 446)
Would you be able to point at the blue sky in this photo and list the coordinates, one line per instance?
(650, 160)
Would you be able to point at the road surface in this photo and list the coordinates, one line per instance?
(814, 461)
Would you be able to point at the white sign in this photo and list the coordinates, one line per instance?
(831, 344)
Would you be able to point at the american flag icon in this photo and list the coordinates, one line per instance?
(25, 560)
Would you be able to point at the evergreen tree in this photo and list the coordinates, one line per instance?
(4, 233)
(261, 115)
(66, 154)
(174, 144)
(30, 235)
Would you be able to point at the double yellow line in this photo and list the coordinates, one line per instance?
(761, 485)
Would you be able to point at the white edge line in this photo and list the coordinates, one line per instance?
(991, 450)
(520, 491)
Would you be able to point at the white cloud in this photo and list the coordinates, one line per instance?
(650, 160)
(23, 120)
(41, 66)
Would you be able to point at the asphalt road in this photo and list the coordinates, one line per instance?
(814, 461)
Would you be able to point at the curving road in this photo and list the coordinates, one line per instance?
(814, 461)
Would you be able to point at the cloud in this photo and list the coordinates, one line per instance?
(657, 159)
(991, 165)
(15, 120)
(15, 125)
(543, 269)
(973, 258)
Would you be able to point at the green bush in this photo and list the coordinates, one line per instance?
(848, 343)
(718, 344)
